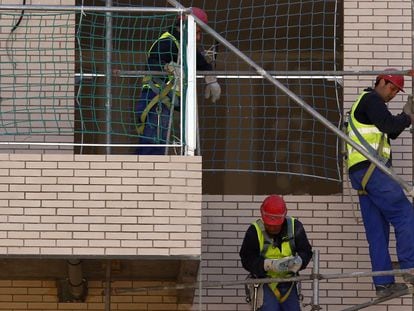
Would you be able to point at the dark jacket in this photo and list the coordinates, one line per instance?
(253, 261)
(165, 51)
(373, 110)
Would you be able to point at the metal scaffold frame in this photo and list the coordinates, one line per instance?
(259, 70)
(315, 277)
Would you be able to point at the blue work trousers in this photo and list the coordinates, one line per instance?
(270, 302)
(156, 124)
(385, 205)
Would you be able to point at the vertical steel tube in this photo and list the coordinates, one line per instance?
(333, 128)
(108, 79)
(108, 286)
(191, 104)
(200, 286)
(315, 272)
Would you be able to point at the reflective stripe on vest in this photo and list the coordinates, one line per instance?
(370, 133)
(269, 251)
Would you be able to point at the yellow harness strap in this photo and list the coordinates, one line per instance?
(284, 297)
(161, 97)
(365, 179)
(369, 171)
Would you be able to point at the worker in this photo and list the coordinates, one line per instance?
(275, 246)
(160, 94)
(382, 200)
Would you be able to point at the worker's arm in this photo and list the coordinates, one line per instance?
(373, 110)
(165, 51)
(212, 90)
(250, 255)
(202, 63)
(303, 247)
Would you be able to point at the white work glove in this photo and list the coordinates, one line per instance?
(174, 69)
(409, 105)
(210, 54)
(213, 89)
(286, 264)
(277, 265)
(295, 264)
(409, 108)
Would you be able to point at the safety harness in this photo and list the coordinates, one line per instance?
(376, 153)
(290, 238)
(159, 87)
(161, 98)
(267, 242)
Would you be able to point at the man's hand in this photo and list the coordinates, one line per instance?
(295, 264)
(213, 89)
(276, 265)
(409, 105)
(412, 118)
(174, 69)
(210, 54)
(286, 264)
(409, 108)
(410, 72)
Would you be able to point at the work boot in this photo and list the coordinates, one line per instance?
(388, 289)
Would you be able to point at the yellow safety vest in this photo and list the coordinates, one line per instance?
(165, 35)
(269, 251)
(370, 133)
(160, 88)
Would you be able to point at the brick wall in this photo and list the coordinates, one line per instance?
(41, 295)
(45, 198)
(97, 206)
(377, 35)
(100, 205)
(332, 227)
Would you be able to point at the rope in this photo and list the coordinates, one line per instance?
(9, 38)
(20, 18)
(354, 205)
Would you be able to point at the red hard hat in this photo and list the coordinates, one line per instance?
(201, 14)
(397, 80)
(273, 210)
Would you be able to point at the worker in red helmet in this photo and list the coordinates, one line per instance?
(382, 200)
(275, 246)
(160, 94)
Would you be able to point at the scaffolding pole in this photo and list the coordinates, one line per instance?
(311, 277)
(265, 74)
(380, 300)
(315, 287)
(315, 277)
